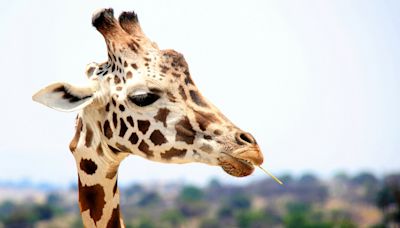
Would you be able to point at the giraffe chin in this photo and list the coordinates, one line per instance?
(236, 166)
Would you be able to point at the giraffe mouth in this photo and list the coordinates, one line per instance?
(235, 166)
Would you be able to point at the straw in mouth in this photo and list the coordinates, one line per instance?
(271, 175)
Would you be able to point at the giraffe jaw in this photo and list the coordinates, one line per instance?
(240, 165)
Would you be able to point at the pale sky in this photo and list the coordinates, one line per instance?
(316, 82)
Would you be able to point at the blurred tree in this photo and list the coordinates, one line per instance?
(388, 200)
(253, 219)
(77, 223)
(341, 177)
(43, 212)
(144, 222)
(25, 215)
(21, 217)
(301, 215)
(239, 201)
(365, 179)
(149, 198)
(6, 208)
(369, 184)
(225, 212)
(133, 189)
(286, 178)
(385, 198)
(210, 223)
(308, 178)
(193, 209)
(190, 194)
(190, 201)
(173, 218)
(214, 183)
(54, 199)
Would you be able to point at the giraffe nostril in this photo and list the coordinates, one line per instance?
(245, 138)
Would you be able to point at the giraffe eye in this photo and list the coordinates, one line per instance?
(144, 99)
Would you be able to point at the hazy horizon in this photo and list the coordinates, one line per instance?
(317, 83)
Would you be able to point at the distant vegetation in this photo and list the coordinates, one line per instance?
(359, 201)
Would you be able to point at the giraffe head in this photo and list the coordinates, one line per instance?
(143, 101)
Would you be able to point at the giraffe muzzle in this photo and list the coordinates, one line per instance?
(241, 162)
(235, 166)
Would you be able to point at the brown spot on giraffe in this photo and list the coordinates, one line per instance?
(184, 131)
(133, 45)
(206, 148)
(143, 125)
(99, 150)
(171, 97)
(164, 69)
(74, 142)
(157, 138)
(133, 138)
(67, 95)
(208, 137)
(88, 166)
(90, 71)
(177, 58)
(115, 187)
(130, 120)
(197, 98)
(113, 48)
(188, 79)
(134, 66)
(123, 129)
(92, 198)
(89, 136)
(173, 152)
(115, 219)
(114, 150)
(162, 115)
(204, 119)
(177, 75)
(128, 75)
(114, 119)
(99, 126)
(123, 148)
(112, 172)
(107, 129)
(117, 80)
(144, 147)
(182, 92)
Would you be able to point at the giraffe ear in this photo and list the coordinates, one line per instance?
(64, 97)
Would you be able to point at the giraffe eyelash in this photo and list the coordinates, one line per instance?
(144, 99)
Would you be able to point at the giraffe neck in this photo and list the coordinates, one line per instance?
(97, 177)
(99, 202)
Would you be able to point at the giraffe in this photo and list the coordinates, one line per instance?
(141, 101)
